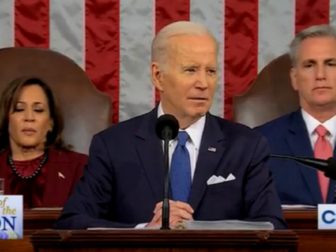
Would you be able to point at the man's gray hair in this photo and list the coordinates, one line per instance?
(161, 40)
(310, 32)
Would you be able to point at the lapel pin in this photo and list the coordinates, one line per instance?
(60, 175)
(212, 149)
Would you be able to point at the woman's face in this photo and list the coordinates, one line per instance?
(29, 119)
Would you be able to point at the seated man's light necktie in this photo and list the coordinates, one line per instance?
(323, 150)
(180, 170)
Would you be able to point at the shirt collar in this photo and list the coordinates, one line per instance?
(194, 131)
(312, 123)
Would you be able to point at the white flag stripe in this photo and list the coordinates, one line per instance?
(6, 23)
(67, 28)
(211, 14)
(276, 29)
(332, 12)
(136, 31)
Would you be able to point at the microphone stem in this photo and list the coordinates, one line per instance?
(165, 204)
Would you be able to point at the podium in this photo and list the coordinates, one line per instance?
(303, 223)
(301, 219)
(163, 240)
(40, 218)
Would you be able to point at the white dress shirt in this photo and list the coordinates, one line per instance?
(195, 132)
(312, 123)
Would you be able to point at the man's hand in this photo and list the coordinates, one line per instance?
(179, 211)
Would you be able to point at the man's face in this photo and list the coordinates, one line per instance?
(314, 74)
(187, 81)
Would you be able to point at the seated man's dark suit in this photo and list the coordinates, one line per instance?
(295, 183)
(124, 177)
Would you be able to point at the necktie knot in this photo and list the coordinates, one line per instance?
(321, 131)
(182, 138)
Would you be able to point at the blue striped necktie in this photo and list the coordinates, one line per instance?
(180, 170)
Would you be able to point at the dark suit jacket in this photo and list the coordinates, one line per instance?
(55, 182)
(295, 183)
(124, 178)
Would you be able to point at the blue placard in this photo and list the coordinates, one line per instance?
(11, 217)
(326, 216)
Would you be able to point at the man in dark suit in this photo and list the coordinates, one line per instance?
(123, 183)
(313, 76)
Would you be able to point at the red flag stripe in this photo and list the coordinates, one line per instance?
(31, 26)
(102, 39)
(167, 12)
(170, 11)
(102, 29)
(311, 12)
(241, 49)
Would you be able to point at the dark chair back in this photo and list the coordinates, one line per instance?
(85, 109)
(270, 96)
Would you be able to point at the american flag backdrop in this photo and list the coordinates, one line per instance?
(110, 39)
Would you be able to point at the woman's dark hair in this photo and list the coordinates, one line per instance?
(10, 97)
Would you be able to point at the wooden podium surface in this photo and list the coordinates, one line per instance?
(163, 240)
(301, 219)
(45, 218)
(40, 218)
(302, 222)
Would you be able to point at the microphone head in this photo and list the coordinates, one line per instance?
(167, 127)
(331, 168)
(326, 166)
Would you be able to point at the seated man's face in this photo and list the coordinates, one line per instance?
(314, 74)
(188, 79)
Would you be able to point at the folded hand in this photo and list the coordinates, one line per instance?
(179, 211)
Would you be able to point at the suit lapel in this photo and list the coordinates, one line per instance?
(210, 154)
(299, 144)
(150, 153)
(331, 198)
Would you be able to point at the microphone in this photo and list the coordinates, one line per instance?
(327, 166)
(166, 129)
